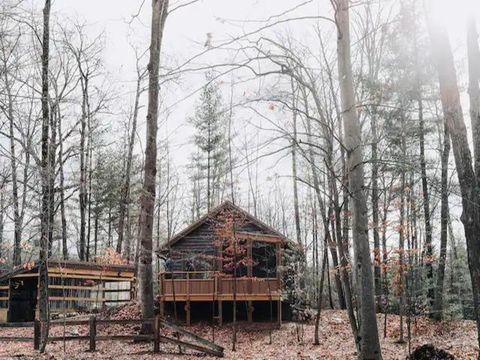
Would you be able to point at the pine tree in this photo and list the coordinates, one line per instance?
(210, 159)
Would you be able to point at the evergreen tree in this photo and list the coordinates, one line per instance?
(209, 162)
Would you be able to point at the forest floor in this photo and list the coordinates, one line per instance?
(336, 342)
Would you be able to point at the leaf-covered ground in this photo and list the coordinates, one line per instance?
(456, 337)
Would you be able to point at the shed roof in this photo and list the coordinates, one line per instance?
(69, 264)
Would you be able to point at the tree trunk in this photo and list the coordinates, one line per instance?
(159, 14)
(52, 149)
(426, 206)
(438, 304)
(62, 191)
(294, 174)
(453, 114)
(401, 232)
(321, 204)
(45, 176)
(83, 173)
(124, 199)
(89, 186)
(474, 89)
(367, 341)
(17, 249)
(375, 217)
(316, 340)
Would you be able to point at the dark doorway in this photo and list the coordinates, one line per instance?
(23, 299)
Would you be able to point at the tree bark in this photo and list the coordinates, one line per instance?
(375, 216)
(474, 89)
(62, 191)
(367, 341)
(316, 185)
(45, 176)
(316, 340)
(83, 172)
(426, 205)
(438, 304)
(294, 174)
(401, 232)
(17, 249)
(453, 114)
(124, 200)
(52, 149)
(159, 15)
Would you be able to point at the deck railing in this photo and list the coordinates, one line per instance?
(208, 285)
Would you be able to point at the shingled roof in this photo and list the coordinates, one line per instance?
(215, 211)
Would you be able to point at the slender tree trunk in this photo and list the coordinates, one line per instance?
(95, 232)
(316, 185)
(62, 190)
(89, 186)
(385, 301)
(401, 232)
(51, 181)
(453, 114)
(296, 209)
(159, 15)
(124, 199)
(17, 249)
(83, 173)
(367, 340)
(316, 340)
(438, 304)
(45, 174)
(298, 231)
(426, 205)
(375, 217)
(230, 156)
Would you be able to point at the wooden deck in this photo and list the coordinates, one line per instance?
(215, 286)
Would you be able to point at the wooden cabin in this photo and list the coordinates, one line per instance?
(204, 275)
(73, 286)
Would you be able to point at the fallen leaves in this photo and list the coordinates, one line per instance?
(336, 342)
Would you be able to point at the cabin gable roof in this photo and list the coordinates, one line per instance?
(203, 221)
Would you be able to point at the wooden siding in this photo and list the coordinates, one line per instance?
(200, 244)
(73, 286)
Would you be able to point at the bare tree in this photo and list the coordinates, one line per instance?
(159, 16)
(367, 340)
(453, 114)
(45, 175)
(128, 165)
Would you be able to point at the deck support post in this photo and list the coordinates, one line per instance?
(250, 310)
(279, 312)
(187, 309)
(162, 308)
(220, 313)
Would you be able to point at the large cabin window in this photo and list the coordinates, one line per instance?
(230, 261)
(264, 260)
(199, 265)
